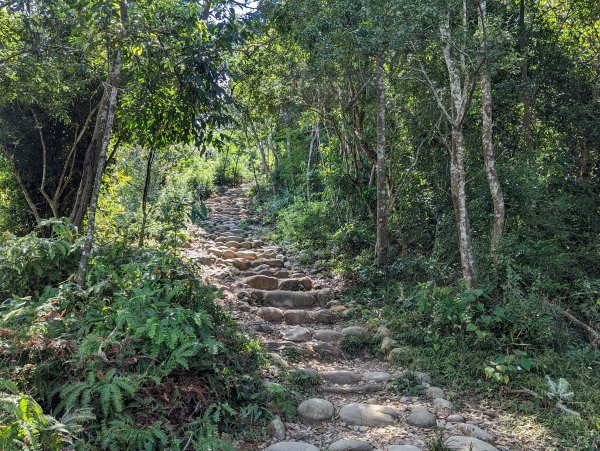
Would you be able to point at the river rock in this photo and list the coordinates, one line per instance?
(327, 335)
(341, 377)
(315, 410)
(261, 282)
(270, 313)
(276, 428)
(240, 264)
(296, 333)
(462, 443)
(367, 415)
(228, 254)
(325, 317)
(435, 392)
(290, 299)
(355, 330)
(297, 316)
(421, 417)
(442, 406)
(476, 432)
(378, 376)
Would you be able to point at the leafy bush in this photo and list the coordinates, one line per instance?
(23, 424)
(145, 349)
(31, 262)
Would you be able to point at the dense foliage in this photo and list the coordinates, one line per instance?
(144, 357)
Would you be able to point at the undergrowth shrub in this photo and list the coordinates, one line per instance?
(47, 255)
(145, 349)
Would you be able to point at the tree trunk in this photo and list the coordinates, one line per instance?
(460, 99)
(490, 167)
(488, 150)
(459, 200)
(107, 116)
(525, 91)
(382, 194)
(145, 197)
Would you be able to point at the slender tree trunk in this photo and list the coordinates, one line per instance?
(490, 167)
(147, 182)
(313, 140)
(525, 91)
(459, 200)
(488, 149)
(460, 99)
(106, 114)
(382, 194)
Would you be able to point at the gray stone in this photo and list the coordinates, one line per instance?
(270, 313)
(324, 296)
(355, 330)
(290, 285)
(350, 445)
(403, 448)
(367, 415)
(421, 417)
(298, 284)
(297, 316)
(292, 446)
(341, 377)
(378, 376)
(424, 378)
(462, 443)
(276, 428)
(327, 335)
(435, 392)
(290, 299)
(315, 410)
(261, 282)
(325, 316)
(296, 333)
(441, 405)
(473, 431)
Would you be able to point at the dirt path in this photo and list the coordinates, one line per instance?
(298, 318)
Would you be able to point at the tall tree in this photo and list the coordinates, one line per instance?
(382, 184)
(489, 157)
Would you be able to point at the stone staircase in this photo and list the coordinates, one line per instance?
(297, 316)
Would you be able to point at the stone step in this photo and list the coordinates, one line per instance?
(290, 299)
(352, 390)
(358, 414)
